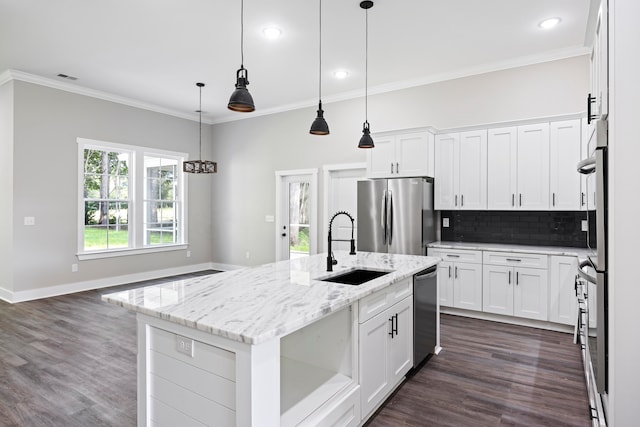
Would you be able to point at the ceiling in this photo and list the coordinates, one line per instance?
(152, 52)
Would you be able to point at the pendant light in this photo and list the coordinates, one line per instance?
(366, 141)
(319, 125)
(200, 166)
(241, 100)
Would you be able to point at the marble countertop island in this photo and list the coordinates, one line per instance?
(254, 305)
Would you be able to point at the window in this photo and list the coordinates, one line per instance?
(131, 199)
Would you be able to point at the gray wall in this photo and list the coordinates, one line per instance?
(47, 125)
(6, 186)
(249, 151)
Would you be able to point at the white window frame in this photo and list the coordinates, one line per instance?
(136, 195)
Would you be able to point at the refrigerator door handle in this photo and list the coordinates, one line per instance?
(390, 216)
(383, 217)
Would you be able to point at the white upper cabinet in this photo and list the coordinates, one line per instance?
(461, 170)
(518, 168)
(398, 155)
(564, 146)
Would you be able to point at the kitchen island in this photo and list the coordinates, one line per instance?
(274, 345)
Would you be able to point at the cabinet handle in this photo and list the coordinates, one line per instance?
(590, 100)
(395, 329)
(520, 197)
(397, 170)
(455, 275)
(513, 199)
(391, 320)
(449, 271)
(391, 167)
(582, 199)
(553, 199)
(453, 256)
(509, 282)
(517, 278)
(455, 203)
(514, 259)
(461, 200)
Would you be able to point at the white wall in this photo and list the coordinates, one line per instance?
(6, 186)
(47, 124)
(249, 151)
(624, 205)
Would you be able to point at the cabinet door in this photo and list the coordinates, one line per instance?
(564, 147)
(445, 283)
(530, 294)
(374, 360)
(533, 167)
(381, 159)
(562, 297)
(446, 176)
(501, 168)
(467, 286)
(412, 154)
(497, 289)
(473, 170)
(401, 343)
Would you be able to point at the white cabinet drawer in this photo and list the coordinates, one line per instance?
(515, 259)
(378, 302)
(457, 255)
(344, 413)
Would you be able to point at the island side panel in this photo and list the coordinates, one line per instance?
(248, 396)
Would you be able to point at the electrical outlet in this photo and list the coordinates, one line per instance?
(29, 220)
(74, 268)
(184, 345)
(269, 218)
(585, 225)
(247, 255)
(188, 254)
(445, 222)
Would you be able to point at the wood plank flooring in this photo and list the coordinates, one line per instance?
(71, 361)
(493, 374)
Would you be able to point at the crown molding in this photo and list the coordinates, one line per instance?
(406, 84)
(10, 75)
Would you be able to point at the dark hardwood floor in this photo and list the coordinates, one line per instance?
(493, 374)
(71, 361)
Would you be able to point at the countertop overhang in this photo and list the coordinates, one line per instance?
(254, 305)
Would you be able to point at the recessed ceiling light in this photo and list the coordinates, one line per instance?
(272, 33)
(340, 74)
(549, 23)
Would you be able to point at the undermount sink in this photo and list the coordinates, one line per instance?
(355, 277)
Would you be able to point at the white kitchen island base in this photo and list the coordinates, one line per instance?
(274, 345)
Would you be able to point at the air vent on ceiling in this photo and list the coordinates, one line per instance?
(65, 76)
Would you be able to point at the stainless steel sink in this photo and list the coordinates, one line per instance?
(355, 277)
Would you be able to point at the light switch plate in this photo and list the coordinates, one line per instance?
(445, 222)
(29, 220)
(585, 225)
(269, 218)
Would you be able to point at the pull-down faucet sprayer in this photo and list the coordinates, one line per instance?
(331, 261)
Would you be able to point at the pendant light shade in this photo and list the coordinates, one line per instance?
(241, 100)
(319, 125)
(366, 141)
(200, 166)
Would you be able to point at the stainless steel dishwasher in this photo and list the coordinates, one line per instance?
(425, 313)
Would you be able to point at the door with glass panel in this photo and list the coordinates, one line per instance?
(296, 219)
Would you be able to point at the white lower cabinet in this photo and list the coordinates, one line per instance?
(386, 353)
(459, 278)
(562, 294)
(512, 290)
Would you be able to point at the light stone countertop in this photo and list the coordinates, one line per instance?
(581, 253)
(254, 305)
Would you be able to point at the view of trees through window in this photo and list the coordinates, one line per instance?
(109, 204)
(299, 218)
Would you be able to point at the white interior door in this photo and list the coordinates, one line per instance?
(341, 194)
(296, 213)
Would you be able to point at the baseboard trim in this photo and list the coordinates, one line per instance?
(520, 321)
(226, 267)
(57, 290)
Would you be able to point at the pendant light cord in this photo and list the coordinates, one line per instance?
(366, 67)
(241, 33)
(200, 111)
(320, 55)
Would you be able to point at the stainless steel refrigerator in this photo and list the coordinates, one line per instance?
(396, 215)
